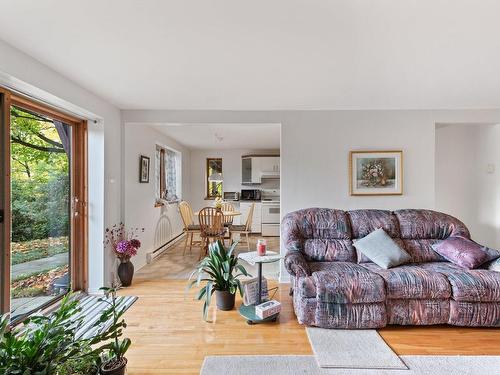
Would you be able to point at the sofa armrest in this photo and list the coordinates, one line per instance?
(296, 264)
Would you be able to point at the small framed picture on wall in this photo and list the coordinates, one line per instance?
(144, 169)
(376, 172)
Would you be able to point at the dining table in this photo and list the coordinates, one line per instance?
(225, 213)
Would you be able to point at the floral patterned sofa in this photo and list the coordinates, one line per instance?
(332, 288)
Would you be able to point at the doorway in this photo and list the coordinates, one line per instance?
(43, 205)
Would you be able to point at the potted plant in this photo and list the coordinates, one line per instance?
(51, 344)
(125, 245)
(48, 344)
(114, 362)
(217, 272)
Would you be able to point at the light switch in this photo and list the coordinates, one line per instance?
(490, 168)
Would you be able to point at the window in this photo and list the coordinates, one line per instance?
(43, 186)
(168, 175)
(214, 178)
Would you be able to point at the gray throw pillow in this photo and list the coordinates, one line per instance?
(382, 250)
(494, 265)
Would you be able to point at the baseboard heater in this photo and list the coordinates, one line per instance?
(155, 253)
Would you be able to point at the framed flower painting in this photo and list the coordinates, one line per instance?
(376, 172)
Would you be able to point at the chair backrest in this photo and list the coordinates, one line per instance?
(248, 224)
(186, 214)
(227, 207)
(211, 221)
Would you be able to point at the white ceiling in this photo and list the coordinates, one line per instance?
(265, 54)
(224, 136)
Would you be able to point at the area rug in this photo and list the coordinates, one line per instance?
(357, 349)
(286, 365)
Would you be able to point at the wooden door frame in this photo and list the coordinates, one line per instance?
(79, 190)
(5, 201)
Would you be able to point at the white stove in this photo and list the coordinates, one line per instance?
(270, 212)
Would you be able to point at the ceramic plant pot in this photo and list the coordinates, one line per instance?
(114, 368)
(126, 272)
(225, 300)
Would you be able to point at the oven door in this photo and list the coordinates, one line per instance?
(270, 213)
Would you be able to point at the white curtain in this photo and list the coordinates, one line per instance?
(172, 170)
(157, 173)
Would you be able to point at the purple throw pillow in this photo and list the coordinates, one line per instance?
(464, 252)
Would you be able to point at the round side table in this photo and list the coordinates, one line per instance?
(252, 258)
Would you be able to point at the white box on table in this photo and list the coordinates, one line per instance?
(267, 309)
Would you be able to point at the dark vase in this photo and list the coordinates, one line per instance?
(126, 272)
(225, 300)
(114, 367)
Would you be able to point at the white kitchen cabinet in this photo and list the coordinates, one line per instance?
(256, 217)
(269, 164)
(250, 170)
(254, 168)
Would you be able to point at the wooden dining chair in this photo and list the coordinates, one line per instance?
(190, 228)
(211, 227)
(227, 207)
(244, 229)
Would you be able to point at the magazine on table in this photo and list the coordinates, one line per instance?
(250, 291)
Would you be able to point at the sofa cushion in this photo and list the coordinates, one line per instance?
(421, 251)
(343, 282)
(329, 250)
(468, 285)
(427, 224)
(412, 282)
(475, 286)
(381, 249)
(350, 316)
(417, 311)
(364, 222)
(464, 252)
(474, 314)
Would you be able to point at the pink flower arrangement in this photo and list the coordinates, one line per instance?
(123, 242)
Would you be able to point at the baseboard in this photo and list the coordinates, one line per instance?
(151, 256)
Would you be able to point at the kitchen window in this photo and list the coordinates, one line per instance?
(214, 178)
(168, 175)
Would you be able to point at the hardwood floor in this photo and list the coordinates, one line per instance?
(170, 337)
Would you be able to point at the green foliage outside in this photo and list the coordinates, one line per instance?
(35, 252)
(39, 177)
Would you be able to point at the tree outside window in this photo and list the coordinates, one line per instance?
(214, 178)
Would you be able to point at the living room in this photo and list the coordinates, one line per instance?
(386, 120)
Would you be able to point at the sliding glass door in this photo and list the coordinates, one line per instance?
(46, 210)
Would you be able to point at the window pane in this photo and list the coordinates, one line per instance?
(40, 203)
(214, 172)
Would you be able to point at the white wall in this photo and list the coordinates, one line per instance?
(104, 148)
(160, 223)
(231, 171)
(315, 146)
(464, 186)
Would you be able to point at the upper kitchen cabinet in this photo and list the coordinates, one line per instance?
(255, 168)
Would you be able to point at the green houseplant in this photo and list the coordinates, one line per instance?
(217, 272)
(115, 363)
(49, 345)
(44, 343)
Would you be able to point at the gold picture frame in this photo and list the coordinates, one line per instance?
(376, 172)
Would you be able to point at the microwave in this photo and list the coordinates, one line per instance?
(250, 195)
(231, 196)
